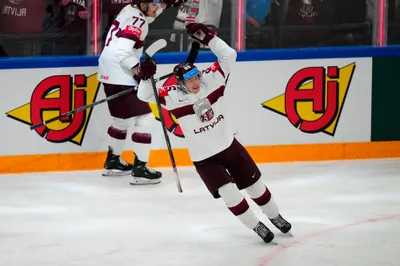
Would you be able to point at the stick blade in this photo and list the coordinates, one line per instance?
(156, 46)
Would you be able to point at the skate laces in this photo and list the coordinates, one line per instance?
(261, 230)
(149, 169)
(121, 161)
(279, 221)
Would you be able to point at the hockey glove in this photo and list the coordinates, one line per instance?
(147, 69)
(200, 32)
(174, 3)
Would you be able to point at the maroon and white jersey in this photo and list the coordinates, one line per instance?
(201, 116)
(123, 47)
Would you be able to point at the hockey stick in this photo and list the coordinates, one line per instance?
(191, 58)
(171, 154)
(151, 50)
(81, 109)
(164, 127)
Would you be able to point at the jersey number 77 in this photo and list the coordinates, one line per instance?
(115, 30)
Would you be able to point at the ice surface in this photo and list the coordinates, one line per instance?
(343, 213)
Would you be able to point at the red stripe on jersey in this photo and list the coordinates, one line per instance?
(132, 30)
(163, 91)
(218, 68)
(214, 68)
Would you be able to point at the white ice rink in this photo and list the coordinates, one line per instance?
(343, 213)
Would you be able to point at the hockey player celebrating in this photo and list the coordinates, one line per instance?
(118, 71)
(197, 101)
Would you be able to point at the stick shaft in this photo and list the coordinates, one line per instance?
(171, 154)
(82, 108)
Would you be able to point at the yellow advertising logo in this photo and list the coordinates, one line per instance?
(314, 98)
(54, 96)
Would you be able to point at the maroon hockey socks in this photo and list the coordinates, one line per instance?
(117, 140)
(262, 197)
(142, 145)
(238, 205)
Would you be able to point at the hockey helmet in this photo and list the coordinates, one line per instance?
(185, 71)
(138, 2)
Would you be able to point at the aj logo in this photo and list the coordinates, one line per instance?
(54, 96)
(314, 98)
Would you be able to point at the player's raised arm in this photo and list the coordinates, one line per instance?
(226, 55)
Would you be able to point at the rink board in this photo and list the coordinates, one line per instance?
(281, 110)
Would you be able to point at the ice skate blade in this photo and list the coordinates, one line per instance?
(115, 173)
(289, 234)
(144, 181)
(273, 243)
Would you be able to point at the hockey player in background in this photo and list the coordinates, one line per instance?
(197, 101)
(207, 12)
(118, 71)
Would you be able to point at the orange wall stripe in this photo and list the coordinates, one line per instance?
(160, 158)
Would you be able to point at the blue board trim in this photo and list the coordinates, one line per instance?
(206, 56)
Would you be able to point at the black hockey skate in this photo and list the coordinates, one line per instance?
(264, 232)
(280, 223)
(115, 166)
(142, 175)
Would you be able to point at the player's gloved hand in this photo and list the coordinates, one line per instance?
(174, 3)
(147, 69)
(200, 32)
